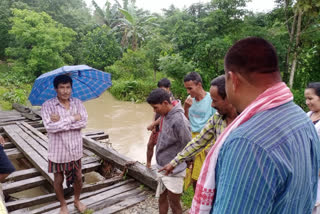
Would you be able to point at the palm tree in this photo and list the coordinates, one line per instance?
(135, 26)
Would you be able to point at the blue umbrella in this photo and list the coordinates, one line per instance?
(87, 83)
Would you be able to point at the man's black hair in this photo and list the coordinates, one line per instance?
(164, 82)
(158, 96)
(315, 86)
(220, 83)
(193, 76)
(252, 54)
(62, 79)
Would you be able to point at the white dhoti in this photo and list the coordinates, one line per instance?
(173, 183)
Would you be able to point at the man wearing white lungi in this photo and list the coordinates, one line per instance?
(174, 135)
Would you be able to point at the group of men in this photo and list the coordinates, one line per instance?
(253, 149)
(262, 151)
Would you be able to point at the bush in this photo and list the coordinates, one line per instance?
(299, 99)
(132, 90)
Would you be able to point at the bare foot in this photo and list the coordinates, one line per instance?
(64, 210)
(80, 206)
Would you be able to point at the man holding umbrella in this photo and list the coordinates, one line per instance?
(64, 117)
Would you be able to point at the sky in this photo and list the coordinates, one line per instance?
(157, 5)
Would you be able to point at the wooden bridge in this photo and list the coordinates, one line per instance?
(27, 140)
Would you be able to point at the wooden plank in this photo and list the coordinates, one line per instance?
(24, 203)
(135, 170)
(22, 174)
(37, 140)
(99, 136)
(106, 198)
(90, 167)
(25, 184)
(87, 160)
(8, 145)
(29, 153)
(122, 205)
(122, 186)
(35, 131)
(43, 152)
(105, 204)
(93, 133)
(13, 153)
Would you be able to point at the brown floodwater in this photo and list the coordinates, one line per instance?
(125, 122)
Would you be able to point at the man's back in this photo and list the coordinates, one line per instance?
(269, 164)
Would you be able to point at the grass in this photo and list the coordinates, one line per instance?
(187, 197)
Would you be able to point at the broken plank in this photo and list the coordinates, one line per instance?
(22, 174)
(28, 152)
(135, 169)
(25, 184)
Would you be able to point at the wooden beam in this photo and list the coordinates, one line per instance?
(87, 189)
(13, 153)
(135, 169)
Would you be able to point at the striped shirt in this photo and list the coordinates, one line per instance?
(269, 164)
(207, 137)
(65, 140)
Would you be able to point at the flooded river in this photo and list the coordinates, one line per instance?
(125, 122)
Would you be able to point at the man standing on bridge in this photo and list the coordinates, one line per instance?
(63, 118)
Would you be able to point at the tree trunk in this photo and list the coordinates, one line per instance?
(295, 54)
(291, 36)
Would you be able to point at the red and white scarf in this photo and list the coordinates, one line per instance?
(206, 186)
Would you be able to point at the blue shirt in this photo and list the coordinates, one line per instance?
(269, 164)
(200, 112)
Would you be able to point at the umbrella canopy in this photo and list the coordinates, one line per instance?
(87, 83)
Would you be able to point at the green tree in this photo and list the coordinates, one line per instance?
(5, 14)
(39, 42)
(133, 65)
(135, 26)
(100, 48)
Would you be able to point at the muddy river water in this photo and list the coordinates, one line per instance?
(125, 122)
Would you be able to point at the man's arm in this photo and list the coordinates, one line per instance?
(207, 135)
(82, 122)
(196, 145)
(247, 179)
(63, 124)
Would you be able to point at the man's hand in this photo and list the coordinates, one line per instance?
(150, 127)
(77, 117)
(54, 117)
(2, 140)
(168, 168)
(188, 102)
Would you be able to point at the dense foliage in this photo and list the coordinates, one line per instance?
(139, 48)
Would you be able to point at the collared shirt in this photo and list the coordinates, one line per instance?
(269, 164)
(208, 136)
(65, 140)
